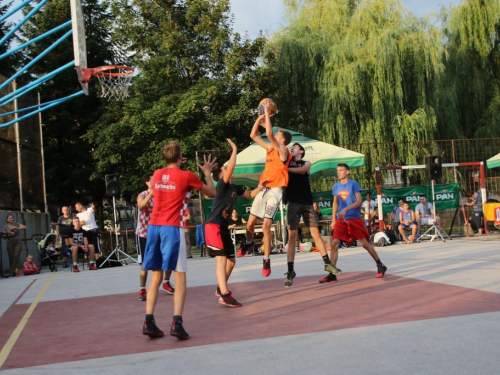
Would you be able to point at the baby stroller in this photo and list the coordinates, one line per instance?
(48, 256)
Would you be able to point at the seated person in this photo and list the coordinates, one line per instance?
(424, 214)
(236, 221)
(395, 213)
(29, 267)
(374, 221)
(407, 220)
(50, 249)
(79, 243)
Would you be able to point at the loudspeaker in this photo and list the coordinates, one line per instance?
(433, 167)
(112, 185)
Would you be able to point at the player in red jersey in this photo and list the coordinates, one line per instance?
(166, 246)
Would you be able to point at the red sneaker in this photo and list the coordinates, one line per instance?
(142, 295)
(330, 278)
(244, 249)
(228, 300)
(266, 268)
(75, 269)
(92, 267)
(166, 287)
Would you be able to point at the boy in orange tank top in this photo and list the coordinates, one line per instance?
(266, 203)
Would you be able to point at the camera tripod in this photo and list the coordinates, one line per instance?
(437, 231)
(118, 248)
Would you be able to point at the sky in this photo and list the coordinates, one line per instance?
(268, 15)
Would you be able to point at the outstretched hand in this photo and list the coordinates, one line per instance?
(208, 164)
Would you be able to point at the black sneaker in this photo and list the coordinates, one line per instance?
(330, 278)
(381, 270)
(289, 278)
(178, 331)
(244, 249)
(150, 329)
(228, 300)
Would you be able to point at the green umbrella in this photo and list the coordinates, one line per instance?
(494, 161)
(324, 159)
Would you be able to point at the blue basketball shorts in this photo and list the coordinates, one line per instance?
(165, 249)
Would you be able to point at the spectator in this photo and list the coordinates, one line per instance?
(11, 233)
(475, 200)
(236, 221)
(64, 228)
(368, 209)
(395, 213)
(79, 243)
(374, 221)
(29, 267)
(187, 217)
(407, 220)
(425, 213)
(87, 221)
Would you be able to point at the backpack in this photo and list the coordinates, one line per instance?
(380, 239)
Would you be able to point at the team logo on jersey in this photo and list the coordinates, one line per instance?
(344, 194)
(165, 184)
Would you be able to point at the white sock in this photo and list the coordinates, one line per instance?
(266, 258)
(143, 287)
(75, 264)
(91, 262)
(248, 242)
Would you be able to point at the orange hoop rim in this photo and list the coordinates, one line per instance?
(100, 72)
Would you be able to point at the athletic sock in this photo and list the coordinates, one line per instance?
(75, 264)
(143, 287)
(326, 259)
(290, 267)
(248, 242)
(91, 262)
(266, 258)
(379, 262)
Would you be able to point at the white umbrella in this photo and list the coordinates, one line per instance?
(494, 161)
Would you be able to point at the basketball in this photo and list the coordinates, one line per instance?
(272, 107)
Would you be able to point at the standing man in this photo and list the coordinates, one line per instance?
(87, 221)
(166, 244)
(300, 203)
(346, 222)
(64, 228)
(368, 209)
(145, 201)
(217, 233)
(266, 203)
(475, 200)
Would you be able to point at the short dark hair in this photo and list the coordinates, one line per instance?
(146, 176)
(344, 165)
(422, 196)
(216, 172)
(286, 135)
(401, 199)
(301, 148)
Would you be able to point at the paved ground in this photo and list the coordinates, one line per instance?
(437, 311)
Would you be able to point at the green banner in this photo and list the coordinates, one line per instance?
(447, 196)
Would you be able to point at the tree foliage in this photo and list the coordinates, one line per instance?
(68, 160)
(196, 82)
(368, 71)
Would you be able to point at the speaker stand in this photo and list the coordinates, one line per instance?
(437, 232)
(118, 248)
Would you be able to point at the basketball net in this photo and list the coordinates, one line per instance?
(114, 81)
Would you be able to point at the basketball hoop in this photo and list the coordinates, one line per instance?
(114, 80)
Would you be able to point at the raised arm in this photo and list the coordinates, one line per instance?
(231, 164)
(254, 134)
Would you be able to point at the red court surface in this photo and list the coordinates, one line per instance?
(96, 327)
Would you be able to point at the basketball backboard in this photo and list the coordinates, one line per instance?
(79, 42)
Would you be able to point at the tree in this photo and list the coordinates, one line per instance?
(68, 158)
(470, 85)
(195, 83)
(8, 64)
(360, 72)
